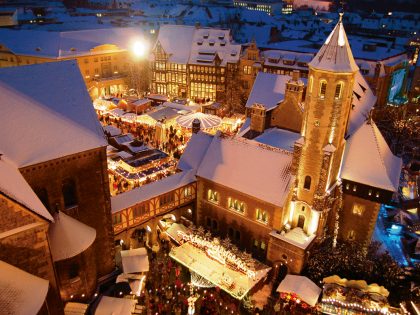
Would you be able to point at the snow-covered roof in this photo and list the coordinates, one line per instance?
(362, 102)
(206, 120)
(135, 260)
(368, 159)
(67, 44)
(262, 172)
(189, 44)
(146, 192)
(307, 290)
(295, 236)
(21, 293)
(279, 138)
(162, 112)
(13, 185)
(195, 151)
(112, 130)
(69, 237)
(47, 113)
(335, 55)
(110, 306)
(176, 41)
(268, 90)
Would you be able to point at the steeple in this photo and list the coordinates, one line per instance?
(335, 55)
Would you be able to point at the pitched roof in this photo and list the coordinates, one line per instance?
(195, 151)
(69, 237)
(46, 113)
(268, 90)
(279, 138)
(21, 292)
(261, 171)
(13, 185)
(66, 44)
(368, 159)
(362, 102)
(335, 55)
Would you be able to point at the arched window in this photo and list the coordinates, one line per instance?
(307, 183)
(311, 83)
(338, 90)
(69, 193)
(322, 89)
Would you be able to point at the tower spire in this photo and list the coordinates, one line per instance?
(335, 55)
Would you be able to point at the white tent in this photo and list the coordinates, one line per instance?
(21, 293)
(135, 260)
(302, 286)
(69, 237)
(115, 306)
(206, 121)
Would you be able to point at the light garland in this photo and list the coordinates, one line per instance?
(383, 310)
(218, 253)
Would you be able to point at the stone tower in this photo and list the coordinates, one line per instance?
(318, 154)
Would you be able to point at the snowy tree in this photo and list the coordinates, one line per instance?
(226, 243)
(139, 77)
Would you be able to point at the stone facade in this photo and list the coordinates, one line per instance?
(24, 244)
(243, 228)
(87, 171)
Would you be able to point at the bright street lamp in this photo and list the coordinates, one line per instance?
(140, 47)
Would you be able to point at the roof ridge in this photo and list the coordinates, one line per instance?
(371, 124)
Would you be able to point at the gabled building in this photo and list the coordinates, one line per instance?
(54, 197)
(193, 62)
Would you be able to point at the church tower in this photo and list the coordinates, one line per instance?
(319, 152)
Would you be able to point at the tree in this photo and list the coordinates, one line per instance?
(352, 260)
(139, 77)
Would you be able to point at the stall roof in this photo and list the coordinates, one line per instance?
(307, 290)
(206, 121)
(112, 130)
(135, 260)
(69, 237)
(21, 293)
(115, 306)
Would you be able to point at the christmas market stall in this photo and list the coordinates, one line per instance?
(299, 294)
(213, 264)
(207, 122)
(342, 296)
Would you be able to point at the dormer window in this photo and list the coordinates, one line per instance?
(211, 43)
(38, 49)
(233, 53)
(206, 35)
(199, 43)
(221, 36)
(72, 49)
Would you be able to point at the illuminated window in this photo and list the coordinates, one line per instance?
(307, 183)
(347, 186)
(116, 218)
(187, 191)
(358, 209)
(351, 235)
(141, 210)
(354, 188)
(322, 89)
(261, 216)
(247, 69)
(166, 199)
(213, 196)
(370, 192)
(377, 194)
(338, 91)
(236, 205)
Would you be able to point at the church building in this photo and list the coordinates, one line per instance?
(308, 163)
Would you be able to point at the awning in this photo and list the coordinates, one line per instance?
(21, 293)
(115, 306)
(307, 290)
(206, 121)
(69, 237)
(135, 260)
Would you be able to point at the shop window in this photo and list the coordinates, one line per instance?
(237, 236)
(263, 245)
(231, 233)
(188, 191)
(351, 235)
(69, 193)
(307, 183)
(214, 225)
(208, 222)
